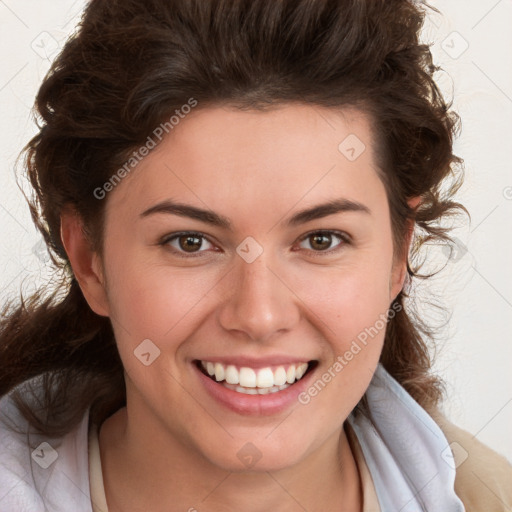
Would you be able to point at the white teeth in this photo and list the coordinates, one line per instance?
(247, 377)
(247, 391)
(256, 391)
(255, 381)
(232, 375)
(265, 378)
(290, 374)
(220, 374)
(279, 376)
(301, 370)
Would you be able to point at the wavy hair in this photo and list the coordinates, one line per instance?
(132, 63)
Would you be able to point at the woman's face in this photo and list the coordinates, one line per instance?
(268, 279)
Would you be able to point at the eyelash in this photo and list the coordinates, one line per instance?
(344, 240)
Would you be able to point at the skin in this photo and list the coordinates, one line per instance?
(173, 447)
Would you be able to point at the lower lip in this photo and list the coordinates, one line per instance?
(254, 405)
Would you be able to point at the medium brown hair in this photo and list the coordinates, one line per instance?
(129, 66)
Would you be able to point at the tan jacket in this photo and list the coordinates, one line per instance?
(483, 478)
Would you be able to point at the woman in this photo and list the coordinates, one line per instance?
(231, 189)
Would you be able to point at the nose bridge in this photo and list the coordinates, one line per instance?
(258, 302)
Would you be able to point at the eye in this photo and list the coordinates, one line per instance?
(187, 243)
(322, 241)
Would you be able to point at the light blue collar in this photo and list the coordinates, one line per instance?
(406, 452)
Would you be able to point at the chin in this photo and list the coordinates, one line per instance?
(258, 456)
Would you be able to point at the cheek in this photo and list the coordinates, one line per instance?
(352, 307)
(348, 300)
(155, 302)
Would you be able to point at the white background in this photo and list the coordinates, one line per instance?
(471, 41)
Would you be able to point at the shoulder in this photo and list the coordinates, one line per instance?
(38, 473)
(483, 477)
(16, 483)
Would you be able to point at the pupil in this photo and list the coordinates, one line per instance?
(190, 243)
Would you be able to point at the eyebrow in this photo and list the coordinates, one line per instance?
(214, 219)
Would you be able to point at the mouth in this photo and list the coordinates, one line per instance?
(256, 381)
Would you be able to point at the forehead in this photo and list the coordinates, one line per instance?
(222, 155)
(290, 133)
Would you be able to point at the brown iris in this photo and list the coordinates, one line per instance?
(190, 243)
(320, 241)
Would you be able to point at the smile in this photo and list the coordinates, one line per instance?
(255, 381)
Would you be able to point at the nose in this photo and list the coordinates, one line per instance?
(259, 301)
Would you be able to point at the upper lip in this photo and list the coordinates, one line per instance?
(252, 362)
